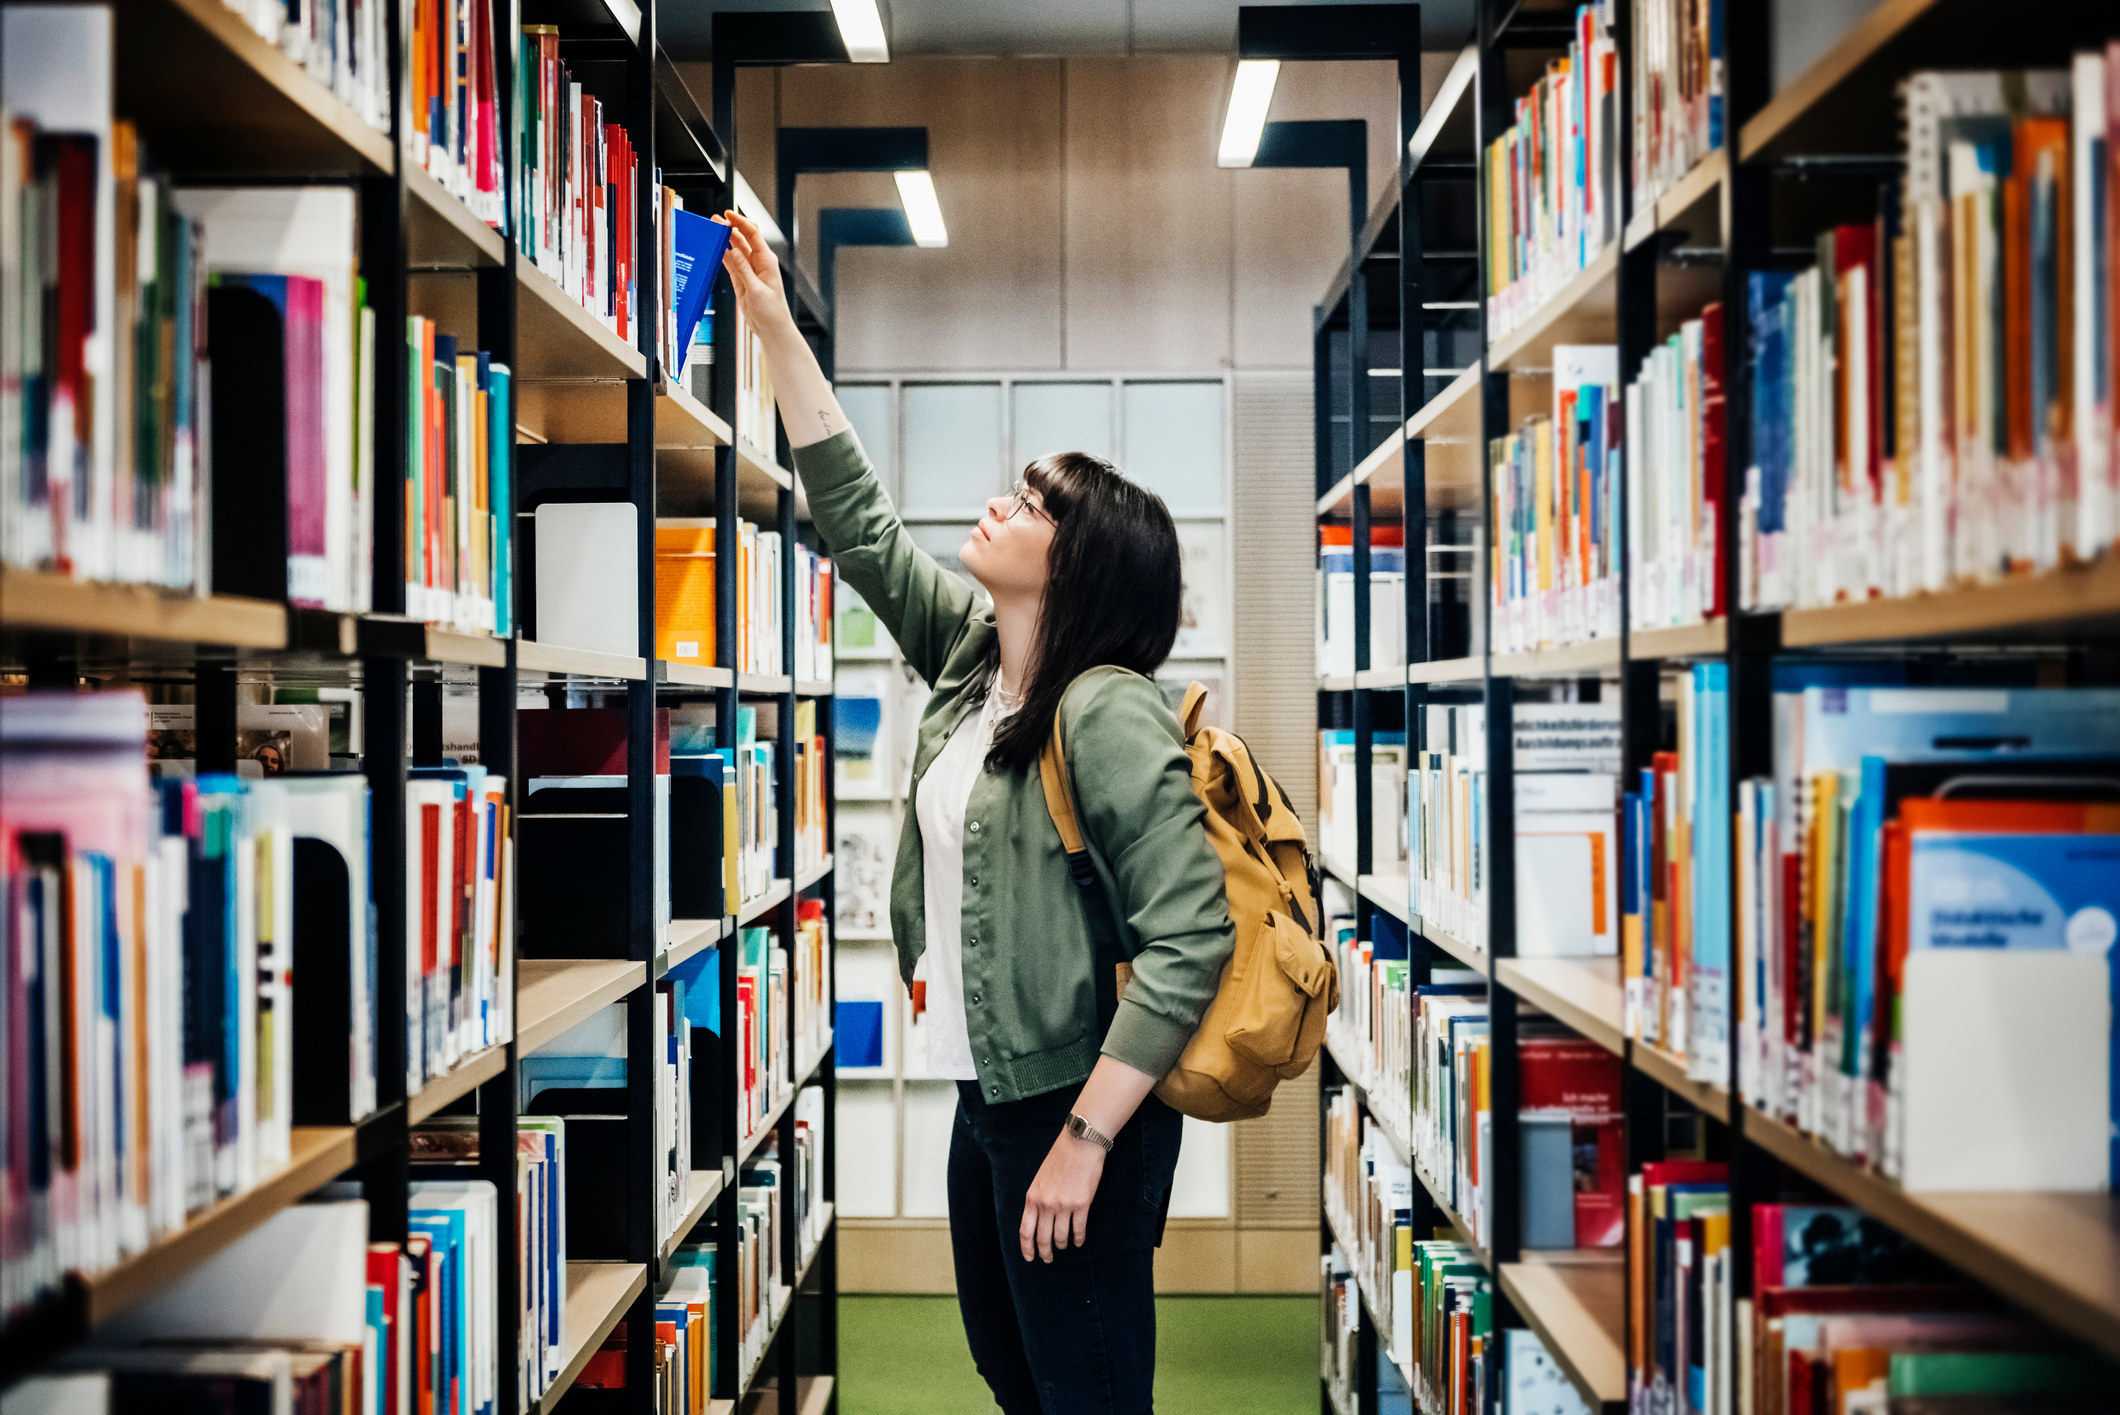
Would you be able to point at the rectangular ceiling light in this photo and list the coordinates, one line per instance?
(1249, 98)
(916, 192)
(861, 30)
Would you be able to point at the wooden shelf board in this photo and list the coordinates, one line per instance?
(692, 675)
(752, 460)
(390, 635)
(813, 688)
(1340, 871)
(682, 422)
(33, 600)
(1681, 641)
(534, 657)
(752, 908)
(1460, 1229)
(598, 1295)
(1596, 656)
(764, 683)
(1453, 455)
(440, 231)
(1448, 670)
(210, 95)
(2030, 602)
(472, 1072)
(689, 937)
(781, 1299)
(1471, 955)
(317, 1155)
(805, 878)
(808, 1060)
(1577, 1302)
(1383, 471)
(1582, 993)
(1357, 1074)
(1583, 311)
(556, 338)
(2057, 1255)
(1388, 892)
(1335, 682)
(813, 1395)
(1683, 206)
(1669, 1072)
(1381, 679)
(702, 1188)
(553, 994)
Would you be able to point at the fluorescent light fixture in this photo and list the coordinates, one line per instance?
(1249, 98)
(861, 30)
(916, 192)
(748, 203)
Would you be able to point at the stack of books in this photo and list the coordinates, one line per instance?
(1387, 598)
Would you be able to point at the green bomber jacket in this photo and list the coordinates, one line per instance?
(1029, 989)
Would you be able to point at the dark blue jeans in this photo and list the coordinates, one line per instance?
(1078, 1335)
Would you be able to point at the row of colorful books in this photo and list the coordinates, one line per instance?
(344, 45)
(1933, 399)
(1566, 760)
(226, 990)
(1676, 478)
(1842, 1313)
(1554, 543)
(1371, 1032)
(576, 186)
(1676, 882)
(1675, 99)
(686, 551)
(1923, 888)
(1553, 177)
(1369, 1202)
(135, 466)
(453, 101)
(305, 1313)
(459, 485)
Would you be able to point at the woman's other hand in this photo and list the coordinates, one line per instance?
(754, 274)
(1056, 1210)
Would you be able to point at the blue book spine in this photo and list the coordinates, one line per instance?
(500, 477)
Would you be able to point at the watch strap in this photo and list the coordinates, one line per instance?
(1082, 1130)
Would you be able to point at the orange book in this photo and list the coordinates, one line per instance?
(684, 590)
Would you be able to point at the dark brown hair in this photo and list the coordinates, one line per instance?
(1112, 593)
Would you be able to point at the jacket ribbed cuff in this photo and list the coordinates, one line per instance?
(1147, 1041)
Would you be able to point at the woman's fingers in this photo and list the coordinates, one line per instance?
(1081, 1225)
(1027, 1232)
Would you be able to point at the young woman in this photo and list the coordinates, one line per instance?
(1061, 1159)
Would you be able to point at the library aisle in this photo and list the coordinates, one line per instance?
(1646, 478)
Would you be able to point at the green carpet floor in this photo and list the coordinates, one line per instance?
(1214, 1356)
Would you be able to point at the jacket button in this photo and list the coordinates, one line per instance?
(974, 827)
(993, 1090)
(975, 999)
(973, 881)
(971, 943)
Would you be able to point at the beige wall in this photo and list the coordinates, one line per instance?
(1089, 227)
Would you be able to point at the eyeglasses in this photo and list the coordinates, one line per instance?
(1019, 499)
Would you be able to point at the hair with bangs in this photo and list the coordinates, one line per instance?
(1113, 590)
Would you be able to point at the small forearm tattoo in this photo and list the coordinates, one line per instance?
(824, 419)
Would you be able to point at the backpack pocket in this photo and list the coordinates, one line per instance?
(1288, 986)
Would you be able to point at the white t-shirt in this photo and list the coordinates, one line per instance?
(945, 794)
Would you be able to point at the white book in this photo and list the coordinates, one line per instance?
(300, 1275)
(587, 557)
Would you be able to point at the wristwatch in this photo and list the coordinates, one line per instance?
(1082, 1130)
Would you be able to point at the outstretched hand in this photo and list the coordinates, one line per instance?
(754, 274)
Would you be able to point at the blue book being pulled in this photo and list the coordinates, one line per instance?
(696, 247)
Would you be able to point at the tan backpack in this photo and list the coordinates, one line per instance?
(1267, 1018)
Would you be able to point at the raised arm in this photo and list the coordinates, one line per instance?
(921, 605)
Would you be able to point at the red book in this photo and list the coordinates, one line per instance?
(583, 742)
(386, 1271)
(1860, 440)
(1713, 476)
(430, 886)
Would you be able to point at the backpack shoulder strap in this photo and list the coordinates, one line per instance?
(1059, 793)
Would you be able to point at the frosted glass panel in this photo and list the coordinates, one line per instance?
(1200, 1188)
(952, 447)
(868, 1150)
(930, 1112)
(1061, 417)
(1173, 444)
(868, 408)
